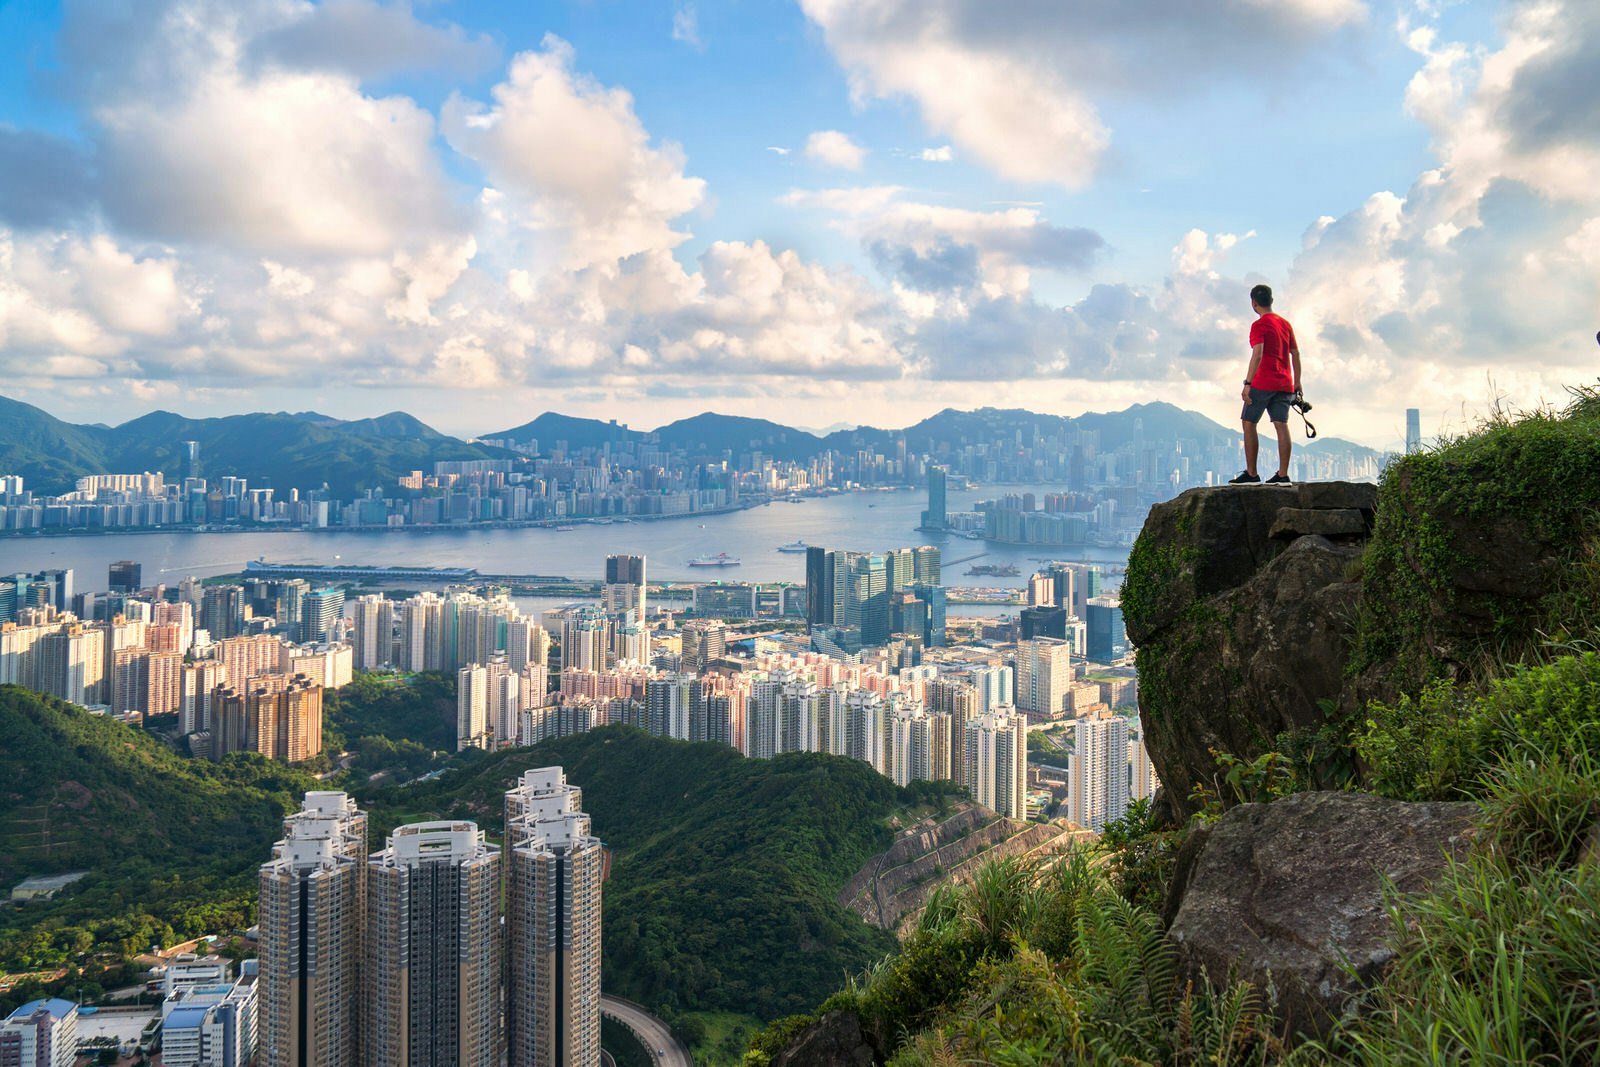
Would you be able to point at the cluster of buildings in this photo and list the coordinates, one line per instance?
(861, 599)
(244, 667)
(440, 948)
(40, 1033)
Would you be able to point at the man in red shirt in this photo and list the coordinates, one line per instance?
(1269, 386)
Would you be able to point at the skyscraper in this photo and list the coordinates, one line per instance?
(937, 515)
(222, 611)
(625, 586)
(997, 762)
(554, 867)
(1413, 431)
(433, 937)
(313, 919)
(1108, 637)
(819, 586)
(1044, 674)
(125, 577)
(320, 614)
(374, 632)
(1097, 771)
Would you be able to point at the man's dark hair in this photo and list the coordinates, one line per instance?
(1261, 296)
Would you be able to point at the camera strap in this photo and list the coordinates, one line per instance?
(1311, 431)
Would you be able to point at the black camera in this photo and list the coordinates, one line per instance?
(1300, 403)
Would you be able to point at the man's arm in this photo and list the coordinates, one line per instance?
(1255, 365)
(1294, 359)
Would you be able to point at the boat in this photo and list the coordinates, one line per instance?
(794, 546)
(721, 559)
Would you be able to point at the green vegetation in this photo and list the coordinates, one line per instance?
(1036, 964)
(171, 844)
(724, 869)
(1527, 486)
(623, 1046)
(393, 723)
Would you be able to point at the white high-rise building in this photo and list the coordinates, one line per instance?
(554, 867)
(994, 686)
(313, 924)
(997, 762)
(1097, 771)
(472, 708)
(374, 633)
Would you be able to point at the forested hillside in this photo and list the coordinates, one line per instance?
(171, 844)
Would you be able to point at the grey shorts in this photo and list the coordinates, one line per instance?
(1276, 405)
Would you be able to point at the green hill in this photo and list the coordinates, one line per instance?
(171, 844)
(275, 449)
(724, 869)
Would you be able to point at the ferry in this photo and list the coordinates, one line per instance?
(794, 546)
(721, 559)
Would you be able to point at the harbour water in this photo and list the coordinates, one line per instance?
(863, 521)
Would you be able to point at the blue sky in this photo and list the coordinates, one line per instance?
(819, 212)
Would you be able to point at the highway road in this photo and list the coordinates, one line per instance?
(650, 1030)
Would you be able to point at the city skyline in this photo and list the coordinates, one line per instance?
(234, 201)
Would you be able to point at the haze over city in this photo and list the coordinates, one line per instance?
(840, 212)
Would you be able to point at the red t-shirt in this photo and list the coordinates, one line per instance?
(1275, 336)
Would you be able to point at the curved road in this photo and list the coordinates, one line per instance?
(652, 1032)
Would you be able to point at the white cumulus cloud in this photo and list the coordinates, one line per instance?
(834, 149)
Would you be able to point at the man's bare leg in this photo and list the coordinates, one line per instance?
(1252, 447)
(1285, 444)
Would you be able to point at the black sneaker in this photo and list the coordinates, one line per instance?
(1279, 479)
(1244, 478)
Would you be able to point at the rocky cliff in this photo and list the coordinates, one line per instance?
(890, 889)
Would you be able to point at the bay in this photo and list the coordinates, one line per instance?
(859, 521)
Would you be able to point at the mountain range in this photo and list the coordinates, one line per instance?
(307, 449)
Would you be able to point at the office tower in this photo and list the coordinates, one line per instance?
(1043, 621)
(313, 923)
(191, 458)
(554, 867)
(935, 598)
(1097, 771)
(704, 640)
(585, 638)
(125, 577)
(861, 594)
(1041, 589)
(373, 645)
(928, 566)
(41, 1033)
(997, 762)
(222, 611)
(58, 586)
(1044, 674)
(191, 592)
(321, 613)
(433, 948)
(1413, 431)
(1108, 637)
(937, 515)
(625, 586)
(819, 586)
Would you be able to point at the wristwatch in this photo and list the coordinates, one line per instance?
(1247, 381)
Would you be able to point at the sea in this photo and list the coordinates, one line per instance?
(866, 521)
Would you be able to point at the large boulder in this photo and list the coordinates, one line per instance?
(835, 1040)
(1242, 605)
(1290, 895)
